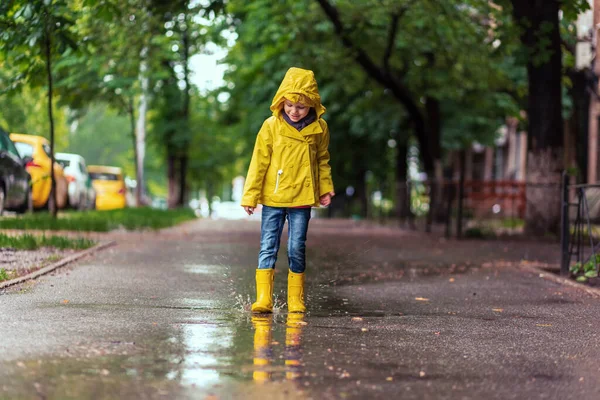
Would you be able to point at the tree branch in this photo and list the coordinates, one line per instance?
(365, 61)
(400, 92)
(390, 43)
(396, 16)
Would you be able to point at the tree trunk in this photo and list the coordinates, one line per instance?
(402, 184)
(183, 162)
(540, 19)
(580, 122)
(183, 159)
(172, 177)
(131, 112)
(434, 171)
(140, 140)
(461, 194)
(360, 192)
(48, 50)
(543, 193)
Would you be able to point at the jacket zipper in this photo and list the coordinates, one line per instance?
(277, 183)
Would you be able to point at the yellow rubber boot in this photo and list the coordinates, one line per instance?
(262, 348)
(264, 291)
(295, 297)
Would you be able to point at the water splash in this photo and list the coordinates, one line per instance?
(243, 303)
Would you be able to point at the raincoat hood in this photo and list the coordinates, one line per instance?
(298, 85)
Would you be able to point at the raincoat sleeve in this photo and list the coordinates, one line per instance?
(261, 158)
(325, 181)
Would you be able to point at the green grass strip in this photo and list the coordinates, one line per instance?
(101, 221)
(31, 242)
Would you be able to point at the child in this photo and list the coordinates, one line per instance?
(289, 173)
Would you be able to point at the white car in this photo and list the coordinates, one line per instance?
(81, 192)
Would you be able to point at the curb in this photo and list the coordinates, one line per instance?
(56, 265)
(594, 292)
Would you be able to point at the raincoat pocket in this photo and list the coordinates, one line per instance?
(277, 181)
(282, 192)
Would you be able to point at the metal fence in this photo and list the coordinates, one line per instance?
(580, 229)
(477, 207)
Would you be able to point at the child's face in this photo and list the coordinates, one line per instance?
(296, 111)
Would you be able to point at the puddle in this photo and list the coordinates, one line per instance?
(203, 269)
(193, 358)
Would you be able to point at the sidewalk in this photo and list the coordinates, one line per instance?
(392, 314)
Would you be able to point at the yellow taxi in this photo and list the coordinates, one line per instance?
(38, 148)
(109, 186)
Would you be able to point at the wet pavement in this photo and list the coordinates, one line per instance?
(391, 314)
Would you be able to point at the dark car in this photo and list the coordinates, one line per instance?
(15, 182)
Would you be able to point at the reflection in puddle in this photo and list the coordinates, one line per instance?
(293, 346)
(199, 367)
(263, 347)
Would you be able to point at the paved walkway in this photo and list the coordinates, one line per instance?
(391, 314)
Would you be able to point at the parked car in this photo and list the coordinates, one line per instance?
(81, 191)
(109, 185)
(38, 148)
(15, 182)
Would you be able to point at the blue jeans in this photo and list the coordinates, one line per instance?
(273, 219)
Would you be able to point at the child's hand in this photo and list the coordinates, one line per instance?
(325, 200)
(249, 210)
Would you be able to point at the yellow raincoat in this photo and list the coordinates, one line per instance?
(290, 168)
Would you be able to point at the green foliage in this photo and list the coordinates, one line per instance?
(29, 24)
(108, 132)
(32, 242)
(448, 51)
(4, 275)
(464, 54)
(25, 111)
(586, 270)
(101, 221)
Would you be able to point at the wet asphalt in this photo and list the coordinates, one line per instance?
(391, 314)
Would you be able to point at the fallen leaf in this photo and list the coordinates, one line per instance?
(65, 301)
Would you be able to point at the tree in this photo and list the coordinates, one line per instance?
(35, 34)
(116, 69)
(423, 56)
(181, 34)
(540, 35)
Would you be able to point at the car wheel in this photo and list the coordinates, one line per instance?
(82, 203)
(27, 206)
(30, 201)
(2, 200)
